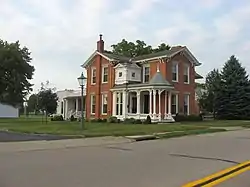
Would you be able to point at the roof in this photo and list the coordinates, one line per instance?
(158, 79)
(162, 54)
(198, 76)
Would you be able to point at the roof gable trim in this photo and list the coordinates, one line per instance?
(89, 60)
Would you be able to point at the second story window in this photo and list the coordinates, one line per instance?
(186, 74)
(175, 72)
(93, 76)
(105, 74)
(120, 74)
(146, 74)
(133, 74)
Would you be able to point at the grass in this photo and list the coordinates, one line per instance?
(35, 125)
(38, 125)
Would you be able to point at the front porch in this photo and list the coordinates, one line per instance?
(140, 103)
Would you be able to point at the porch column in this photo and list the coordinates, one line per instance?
(169, 102)
(150, 102)
(114, 104)
(138, 102)
(77, 104)
(154, 103)
(125, 103)
(166, 98)
(66, 110)
(159, 93)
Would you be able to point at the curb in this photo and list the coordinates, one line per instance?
(142, 137)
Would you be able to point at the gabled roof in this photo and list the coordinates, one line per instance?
(198, 76)
(162, 54)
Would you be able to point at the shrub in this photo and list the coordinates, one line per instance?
(148, 120)
(129, 121)
(138, 121)
(112, 119)
(57, 118)
(180, 118)
(72, 118)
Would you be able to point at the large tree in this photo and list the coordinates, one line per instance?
(47, 99)
(131, 49)
(15, 73)
(233, 101)
(33, 103)
(209, 97)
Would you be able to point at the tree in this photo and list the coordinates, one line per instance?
(138, 48)
(33, 103)
(47, 99)
(233, 100)
(15, 73)
(208, 98)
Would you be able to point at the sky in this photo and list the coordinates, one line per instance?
(62, 34)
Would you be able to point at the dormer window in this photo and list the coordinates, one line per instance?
(133, 74)
(146, 73)
(120, 74)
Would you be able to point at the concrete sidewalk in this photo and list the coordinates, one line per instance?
(60, 144)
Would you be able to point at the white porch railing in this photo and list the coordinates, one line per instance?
(154, 117)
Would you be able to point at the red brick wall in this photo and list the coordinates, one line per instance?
(99, 87)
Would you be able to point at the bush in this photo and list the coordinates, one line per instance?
(148, 120)
(72, 118)
(113, 119)
(180, 118)
(138, 121)
(129, 121)
(57, 118)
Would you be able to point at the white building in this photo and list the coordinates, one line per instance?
(8, 111)
(69, 103)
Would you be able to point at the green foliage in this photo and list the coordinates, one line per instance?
(15, 73)
(99, 120)
(233, 101)
(112, 119)
(148, 120)
(138, 48)
(47, 99)
(57, 118)
(180, 118)
(33, 103)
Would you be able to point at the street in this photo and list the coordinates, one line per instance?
(156, 163)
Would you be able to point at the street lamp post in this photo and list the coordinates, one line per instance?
(81, 81)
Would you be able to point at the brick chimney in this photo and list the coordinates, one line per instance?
(100, 44)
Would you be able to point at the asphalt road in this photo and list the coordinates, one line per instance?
(6, 136)
(156, 163)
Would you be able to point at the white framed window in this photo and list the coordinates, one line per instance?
(104, 103)
(186, 104)
(93, 75)
(119, 99)
(186, 74)
(93, 103)
(175, 72)
(174, 103)
(104, 74)
(120, 74)
(146, 73)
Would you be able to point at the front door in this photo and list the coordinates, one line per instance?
(134, 105)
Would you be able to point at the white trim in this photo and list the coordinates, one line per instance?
(103, 96)
(91, 104)
(103, 67)
(144, 88)
(92, 70)
(186, 67)
(175, 63)
(152, 58)
(87, 62)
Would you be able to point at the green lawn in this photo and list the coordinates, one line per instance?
(37, 125)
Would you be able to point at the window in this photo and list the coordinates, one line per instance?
(120, 74)
(119, 104)
(104, 74)
(104, 103)
(92, 99)
(133, 74)
(186, 74)
(61, 107)
(186, 104)
(146, 74)
(93, 78)
(175, 72)
(174, 101)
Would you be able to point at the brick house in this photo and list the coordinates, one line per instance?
(159, 84)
